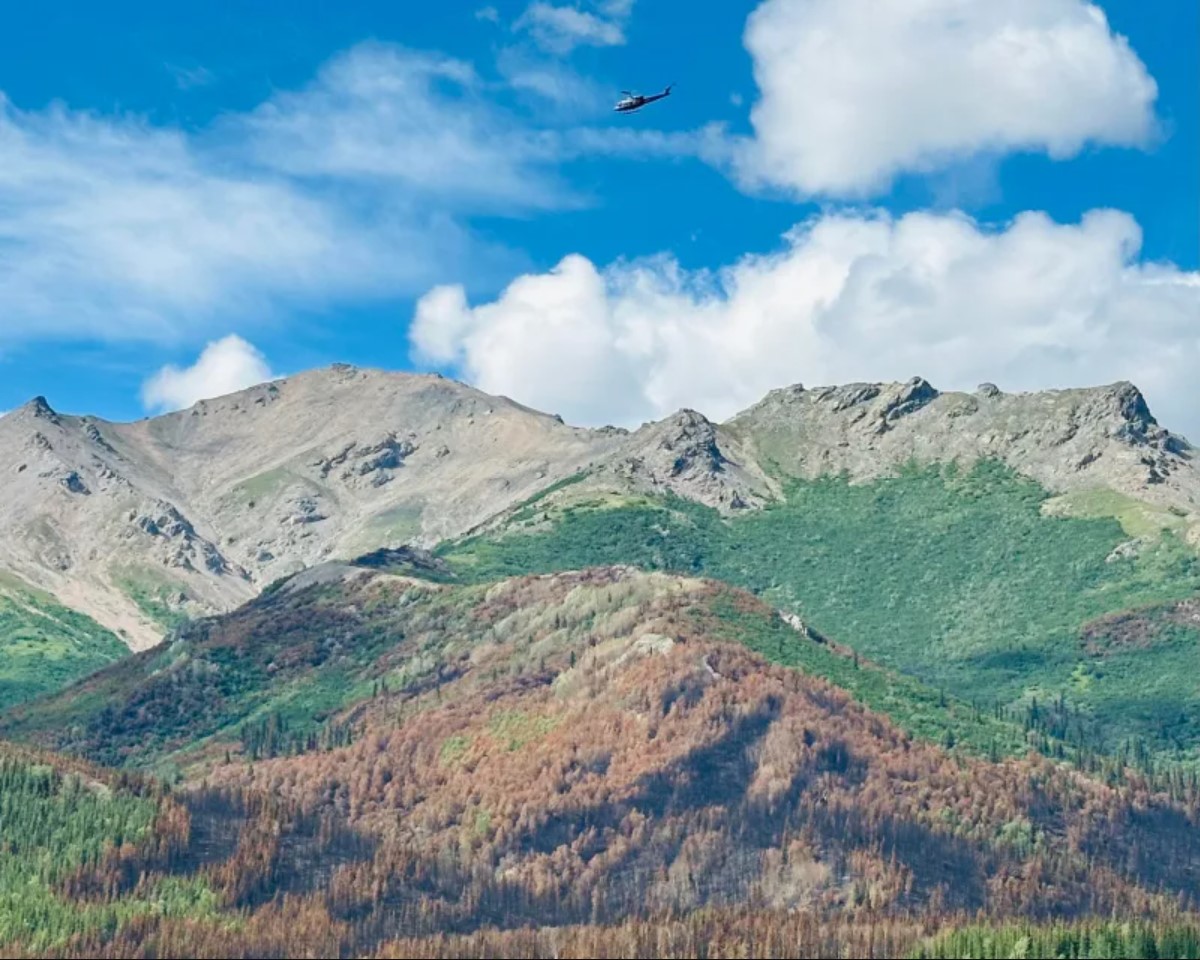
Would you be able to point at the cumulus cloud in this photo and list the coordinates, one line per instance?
(854, 92)
(360, 185)
(560, 29)
(1034, 305)
(224, 366)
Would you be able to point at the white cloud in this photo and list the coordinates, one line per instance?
(360, 185)
(854, 92)
(224, 366)
(849, 297)
(560, 29)
(551, 81)
(488, 14)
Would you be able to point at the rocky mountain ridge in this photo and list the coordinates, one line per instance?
(197, 511)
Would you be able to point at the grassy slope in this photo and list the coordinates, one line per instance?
(44, 646)
(954, 577)
(154, 594)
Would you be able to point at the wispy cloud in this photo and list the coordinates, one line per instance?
(186, 78)
(559, 29)
(402, 119)
(362, 184)
(550, 81)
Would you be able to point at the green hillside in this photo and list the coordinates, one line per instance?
(44, 646)
(955, 577)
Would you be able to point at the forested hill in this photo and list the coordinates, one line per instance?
(378, 764)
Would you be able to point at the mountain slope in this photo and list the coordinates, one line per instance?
(195, 511)
(45, 645)
(585, 748)
(959, 577)
(320, 642)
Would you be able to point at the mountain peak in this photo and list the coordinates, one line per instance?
(1072, 439)
(40, 407)
(1131, 403)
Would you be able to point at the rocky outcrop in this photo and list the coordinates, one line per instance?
(373, 462)
(176, 543)
(687, 455)
(403, 560)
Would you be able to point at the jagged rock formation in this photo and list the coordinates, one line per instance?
(200, 509)
(689, 456)
(1067, 440)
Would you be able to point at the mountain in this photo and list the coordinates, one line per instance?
(593, 763)
(141, 525)
(865, 670)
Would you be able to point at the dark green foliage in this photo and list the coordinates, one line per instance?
(58, 823)
(272, 737)
(53, 823)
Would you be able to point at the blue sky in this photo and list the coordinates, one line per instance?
(309, 177)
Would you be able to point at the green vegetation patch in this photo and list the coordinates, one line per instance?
(155, 595)
(52, 823)
(1086, 940)
(1137, 518)
(453, 749)
(45, 646)
(514, 729)
(267, 485)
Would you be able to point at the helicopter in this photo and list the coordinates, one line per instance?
(635, 101)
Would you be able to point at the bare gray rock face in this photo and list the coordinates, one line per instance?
(221, 499)
(212, 503)
(1067, 440)
(687, 455)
